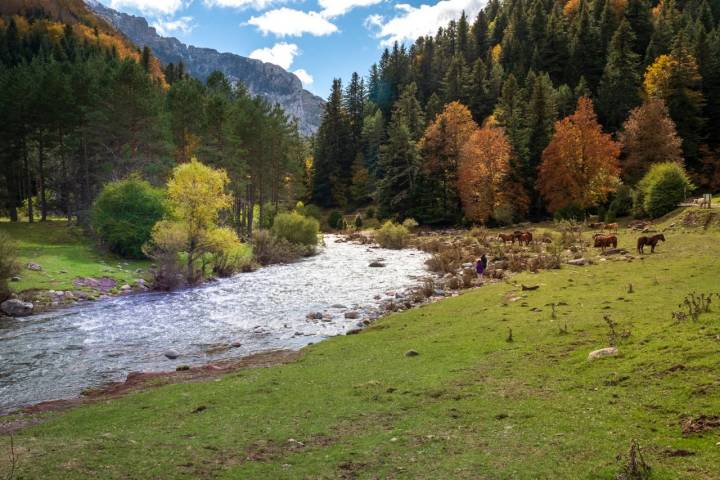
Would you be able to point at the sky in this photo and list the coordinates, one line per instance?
(318, 40)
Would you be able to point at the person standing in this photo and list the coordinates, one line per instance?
(481, 266)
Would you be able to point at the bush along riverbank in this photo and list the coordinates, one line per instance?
(597, 367)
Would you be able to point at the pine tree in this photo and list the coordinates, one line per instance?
(619, 89)
(637, 13)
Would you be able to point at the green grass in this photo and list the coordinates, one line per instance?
(471, 405)
(59, 248)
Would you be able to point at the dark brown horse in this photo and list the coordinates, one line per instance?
(507, 237)
(604, 241)
(652, 241)
(522, 237)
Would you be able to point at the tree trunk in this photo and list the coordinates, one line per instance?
(28, 182)
(43, 193)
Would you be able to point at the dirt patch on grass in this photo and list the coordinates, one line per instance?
(137, 381)
(700, 424)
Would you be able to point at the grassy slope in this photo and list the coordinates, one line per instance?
(471, 405)
(57, 247)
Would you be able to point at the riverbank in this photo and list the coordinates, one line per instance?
(60, 266)
(495, 383)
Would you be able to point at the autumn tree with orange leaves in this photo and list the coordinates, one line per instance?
(580, 165)
(484, 163)
(441, 145)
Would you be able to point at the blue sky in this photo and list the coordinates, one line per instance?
(316, 39)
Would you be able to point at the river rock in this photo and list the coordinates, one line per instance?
(236, 344)
(172, 354)
(314, 316)
(34, 267)
(339, 306)
(603, 352)
(353, 331)
(16, 307)
(579, 262)
(376, 264)
(352, 315)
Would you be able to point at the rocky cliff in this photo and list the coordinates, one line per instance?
(269, 81)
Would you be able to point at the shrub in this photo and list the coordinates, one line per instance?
(124, 214)
(358, 222)
(391, 235)
(9, 265)
(370, 212)
(571, 212)
(410, 223)
(296, 228)
(269, 249)
(622, 202)
(234, 260)
(168, 240)
(335, 220)
(270, 211)
(664, 187)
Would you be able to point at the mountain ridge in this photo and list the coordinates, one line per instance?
(272, 82)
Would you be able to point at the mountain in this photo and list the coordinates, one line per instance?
(267, 80)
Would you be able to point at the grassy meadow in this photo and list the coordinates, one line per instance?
(64, 253)
(474, 403)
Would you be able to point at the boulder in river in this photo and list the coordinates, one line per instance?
(16, 307)
(352, 315)
(172, 354)
(376, 264)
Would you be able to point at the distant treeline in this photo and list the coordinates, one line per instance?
(77, 112)
(521, 66)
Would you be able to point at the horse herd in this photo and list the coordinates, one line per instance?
(600, 240)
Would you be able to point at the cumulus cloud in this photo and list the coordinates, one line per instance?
(336, 8)
(152, 7)
(413, 22)
(304, 77)
(256, 4)
(169, 26)
(290, 22)
(281, 54)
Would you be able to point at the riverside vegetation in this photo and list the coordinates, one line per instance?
(499, 385)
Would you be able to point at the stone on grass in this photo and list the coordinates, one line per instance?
(411, 353)
(579, 262)
(34, 267)
(15, 279)
(603, 352)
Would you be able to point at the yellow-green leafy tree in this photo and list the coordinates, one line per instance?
(196, 194)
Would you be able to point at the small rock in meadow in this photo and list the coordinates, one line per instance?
(353, 331)
(15, 279)
(411, 353)
(34, 267)
(579, 262)
(603, 352)
(172, 354)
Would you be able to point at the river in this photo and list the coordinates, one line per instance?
(57, 354)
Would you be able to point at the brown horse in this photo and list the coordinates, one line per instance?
(507, 237)
(523, 237)
(652, 241)
(613, 227)
(604, 241)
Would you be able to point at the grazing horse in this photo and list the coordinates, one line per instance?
(522, 237)
(507, 237)
(652, 241)
(603, 241)
(611, 227)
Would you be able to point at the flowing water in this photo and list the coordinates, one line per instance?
(58, 354)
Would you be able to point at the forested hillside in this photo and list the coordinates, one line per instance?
(534, 106)
(81, 106)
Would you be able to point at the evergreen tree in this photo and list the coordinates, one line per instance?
(619, 89)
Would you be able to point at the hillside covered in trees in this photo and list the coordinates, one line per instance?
(81, 106)
(534, 106)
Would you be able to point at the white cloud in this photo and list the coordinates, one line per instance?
(304, 77)
(167, 27)
(164, 7)
(289, 22)
(414, 22)
(281, 54)
(335, 8)
(256, 4)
